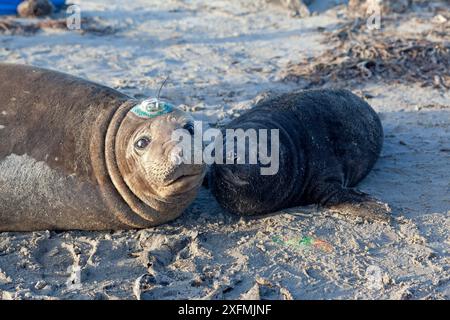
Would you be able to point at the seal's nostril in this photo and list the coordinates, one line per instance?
(176, 156)
(189, 127)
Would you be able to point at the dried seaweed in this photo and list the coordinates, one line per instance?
(361, 56)
(12, 26)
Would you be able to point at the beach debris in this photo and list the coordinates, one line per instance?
(142, 284)
(35, 8)
(6, 295)
(4, 278)
(89, 25)
(298, 8)
(365, 7)
(304, 243)
(359, 56)
(286, 294)
(13, 27)
(41, 284)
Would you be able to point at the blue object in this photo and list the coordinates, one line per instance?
(9, 7)
(58, 3)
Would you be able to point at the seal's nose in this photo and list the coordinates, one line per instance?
(235, 174)
(176, 155)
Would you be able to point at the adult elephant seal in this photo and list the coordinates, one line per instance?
(78, 155)
(329, 140)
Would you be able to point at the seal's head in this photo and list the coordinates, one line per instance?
(146, 154)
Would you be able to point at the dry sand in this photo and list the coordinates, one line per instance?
(221, 57)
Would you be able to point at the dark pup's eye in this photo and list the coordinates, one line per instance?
(142, 143)
(189, 127)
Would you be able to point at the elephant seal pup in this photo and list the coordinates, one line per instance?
(78, 155)
(329, 140)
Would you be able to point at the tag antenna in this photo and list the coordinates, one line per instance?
(162, 85)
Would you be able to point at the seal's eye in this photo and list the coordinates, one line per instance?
(142, 143)
(189, 127)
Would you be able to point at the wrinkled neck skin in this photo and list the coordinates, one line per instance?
(153, 187)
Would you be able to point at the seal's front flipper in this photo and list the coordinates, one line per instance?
(370, 210)
(351, 202)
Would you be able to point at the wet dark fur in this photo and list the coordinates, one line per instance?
(329, 141)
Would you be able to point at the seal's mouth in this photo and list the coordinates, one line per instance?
(182, 179)
(232, 177)
(185, 182)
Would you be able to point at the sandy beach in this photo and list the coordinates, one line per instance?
(222, 57)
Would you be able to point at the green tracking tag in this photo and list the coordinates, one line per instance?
(151, 108)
